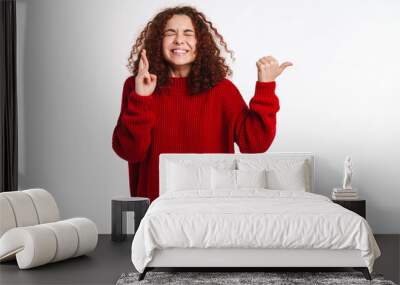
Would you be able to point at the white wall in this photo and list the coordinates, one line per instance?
(339, 98)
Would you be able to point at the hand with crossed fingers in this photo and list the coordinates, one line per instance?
(145, 82)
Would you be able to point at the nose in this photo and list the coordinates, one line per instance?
(178, 39)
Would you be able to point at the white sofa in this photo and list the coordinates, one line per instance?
(32, 232)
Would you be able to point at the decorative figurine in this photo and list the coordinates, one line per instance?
(348, 172)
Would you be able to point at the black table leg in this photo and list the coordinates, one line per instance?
(118, 222)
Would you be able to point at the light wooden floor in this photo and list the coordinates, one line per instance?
(111, 259)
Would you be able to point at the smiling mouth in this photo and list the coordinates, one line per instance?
(179, 51)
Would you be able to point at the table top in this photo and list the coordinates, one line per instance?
(126, 198)
(347, 200)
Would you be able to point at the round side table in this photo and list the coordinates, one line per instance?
(120, 205)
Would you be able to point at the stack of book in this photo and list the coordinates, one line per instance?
(344, 194)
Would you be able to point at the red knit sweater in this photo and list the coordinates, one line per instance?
(172, 121)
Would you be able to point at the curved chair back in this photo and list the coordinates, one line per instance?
(27, 208)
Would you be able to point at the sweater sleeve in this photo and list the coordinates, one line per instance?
(255, 126)
(132, 134)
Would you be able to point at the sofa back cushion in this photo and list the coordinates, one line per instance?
(27, 208)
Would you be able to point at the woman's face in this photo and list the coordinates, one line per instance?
(179, 43)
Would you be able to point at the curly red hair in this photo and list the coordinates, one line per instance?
(206, 70)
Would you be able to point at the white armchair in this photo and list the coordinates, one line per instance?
(32, 232)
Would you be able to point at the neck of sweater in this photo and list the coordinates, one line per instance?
(178, 83)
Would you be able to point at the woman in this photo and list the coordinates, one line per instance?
(179, 101)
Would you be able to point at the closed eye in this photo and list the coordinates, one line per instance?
(171, 32)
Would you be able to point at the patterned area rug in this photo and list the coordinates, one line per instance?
(270, 278)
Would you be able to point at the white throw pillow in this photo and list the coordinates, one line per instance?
(282, 174)
(188, 177)
(287, 179)
(236, 179)
(251, 178)
(223, 179)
